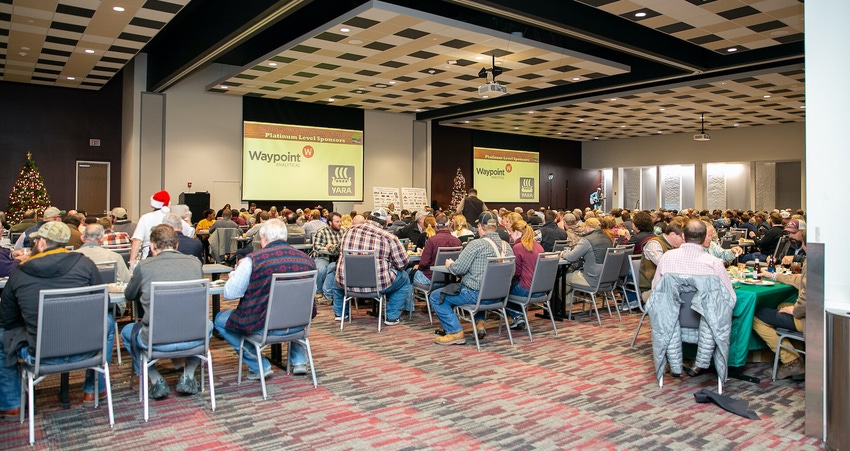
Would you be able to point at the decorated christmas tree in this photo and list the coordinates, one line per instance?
(28, 193)
(458, 190)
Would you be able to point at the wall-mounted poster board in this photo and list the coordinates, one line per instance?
(382, 196)
(413, 198)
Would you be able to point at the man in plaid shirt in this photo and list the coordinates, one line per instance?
(471, 264)
(326, 250)
(110, 236)
(392, 260)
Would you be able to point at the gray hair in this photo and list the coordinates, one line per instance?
(93, 232)
(173, 220)
(181, 210)
(273, 230)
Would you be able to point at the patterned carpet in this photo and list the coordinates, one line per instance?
(582, 389)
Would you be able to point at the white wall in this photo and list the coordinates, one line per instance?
(784, 142)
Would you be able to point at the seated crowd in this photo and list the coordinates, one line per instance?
(163, 245)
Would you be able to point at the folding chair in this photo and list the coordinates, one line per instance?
(179, 312)
(611, 268)
(624, 272)
(108, 274)
(559, 246)
(71, 322)
(634, 287)
(542, 287)
(361, 282)
(290, 306)
(783, 334)
(437, 279)
(496, 285)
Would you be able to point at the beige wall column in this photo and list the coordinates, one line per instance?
(700, 199)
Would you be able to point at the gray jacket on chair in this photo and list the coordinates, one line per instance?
(712, 301)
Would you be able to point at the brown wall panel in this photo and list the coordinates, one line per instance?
(55, 125)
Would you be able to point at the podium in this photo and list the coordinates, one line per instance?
(197, 202)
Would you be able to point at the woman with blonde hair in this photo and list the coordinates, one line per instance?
(430, 229)
(273, 212)
(526, 251)
(345, 219)
(460, 227)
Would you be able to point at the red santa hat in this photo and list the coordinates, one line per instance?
(160, 201)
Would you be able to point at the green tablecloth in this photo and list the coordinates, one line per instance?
(750, 299)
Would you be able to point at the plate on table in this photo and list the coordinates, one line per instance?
(766, 283)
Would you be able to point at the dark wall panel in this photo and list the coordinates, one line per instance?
(452, 148)
(55, 125)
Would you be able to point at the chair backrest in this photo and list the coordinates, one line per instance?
(496, 283)
(559, 245)
(71, 321)
(108, 271)
(545, 273)
(443, 254)
(361, 269)
(179, 312)
(781, 248)
(464, 238)
(740, 233)
(634, 267)
(624, 269)
(125, 254)
(13, 237)
(688, 317)
(290, 301)
(611, 267)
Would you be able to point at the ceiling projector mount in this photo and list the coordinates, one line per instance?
(491, 88)
(702, 135)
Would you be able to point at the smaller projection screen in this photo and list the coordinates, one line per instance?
(506, 175)
(296, 162)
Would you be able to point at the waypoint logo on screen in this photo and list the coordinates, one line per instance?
(508, 168)
(340, 180)
(308, 151)
(526, 188)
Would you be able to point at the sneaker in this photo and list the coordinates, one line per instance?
(518, 323)
(158, 390)
(450, 339)
(299, 370)
(793, 369)
(392, 322)
(339, 318)
(188, 385)
(252, 376)
(481, 331)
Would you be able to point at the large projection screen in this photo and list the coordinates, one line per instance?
(292, 162)
(506, 175)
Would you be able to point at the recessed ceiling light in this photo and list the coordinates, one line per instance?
(516, 128)
(451, 62)
(581, 120)
(71, 78)
(732, 49)
(25, 48)
(344, 30)
(659, 132)
(531, 112)
(89, 51)
(465, 122)
(622, 126)
(272, 64)
(661, 109)
(392, 82)
(576, 78)
(119, 9)
(803, 106)
(613, 99)
(22, 53)
(479, 57)
(223, 87)
(595, 137)
(485, 97)
(331, 99)
(417, 110)
(355, 42)
(735, 124)
(640, 14)
(560, 133)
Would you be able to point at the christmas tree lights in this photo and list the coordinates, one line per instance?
(458, 190)
(28, 193)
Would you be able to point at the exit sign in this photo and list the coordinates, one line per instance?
(94, 142)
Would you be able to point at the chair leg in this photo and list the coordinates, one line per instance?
(212, 386)
(776, 358)
(117, 342)
(310, 359)
(619, 318)
(593, 303)
(548, 308)
(145, 388)
(475, 332)
(239, 364)
(345, 301)
(31, 408)
(507, 325)
(428, 304)
(640, 323)
(261, 369)
(527, 324)
(380, 301)
(108, 393)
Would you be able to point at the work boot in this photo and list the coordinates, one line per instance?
(479, 325)
(450, 339)
(794, 368)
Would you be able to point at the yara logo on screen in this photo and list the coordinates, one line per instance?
(340, 180)
(526, 188)
(278, 159)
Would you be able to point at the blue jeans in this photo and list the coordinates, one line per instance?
(297, 353)
(322, 264)
(398, 294)
(445, 311)
(750, 257)
(419, 277)
(330, 282)
(137, 358)
(10, 381)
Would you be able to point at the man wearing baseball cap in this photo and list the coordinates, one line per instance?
(50, 214)
(49, 266)
(120, 222)
(141, 236)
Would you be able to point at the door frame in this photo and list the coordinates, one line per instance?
(77, 181)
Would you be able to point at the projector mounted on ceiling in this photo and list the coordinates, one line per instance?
(491, 88)
(702, 135)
